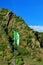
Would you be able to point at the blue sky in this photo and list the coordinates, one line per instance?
(30, 10)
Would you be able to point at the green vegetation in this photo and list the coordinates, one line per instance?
(30, 50)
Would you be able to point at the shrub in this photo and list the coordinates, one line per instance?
(19, 61)
(29, 43)
(1, 18)
(23, 51)
(1, 53)
(39, 59)
(9, 57)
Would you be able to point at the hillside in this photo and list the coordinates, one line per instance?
(30, 50)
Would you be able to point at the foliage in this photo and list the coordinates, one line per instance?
(1, 17)
(1, 53)
(19, 61)
(8, 57)
(16, 23)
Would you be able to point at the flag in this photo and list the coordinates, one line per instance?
(16, 38)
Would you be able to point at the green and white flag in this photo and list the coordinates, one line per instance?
(16, 38)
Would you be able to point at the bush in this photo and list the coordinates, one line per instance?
(29, 43)
(39, 59)
(9, 57)
(19, 61)
(2, 47)
(23, 51)
(1, 17)
(1, 53)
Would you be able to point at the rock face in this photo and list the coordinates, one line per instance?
(30, 41)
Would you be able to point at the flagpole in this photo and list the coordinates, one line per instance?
(14, 55)
(14, 52)
(16, 42)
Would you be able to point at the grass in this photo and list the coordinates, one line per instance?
(31, 60)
